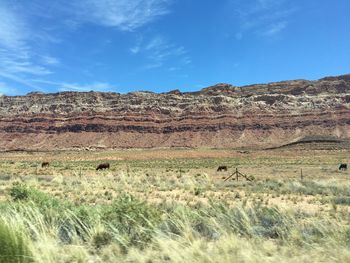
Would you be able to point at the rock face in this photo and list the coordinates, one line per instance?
(256, 116)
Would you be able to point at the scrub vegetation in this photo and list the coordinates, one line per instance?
(174, 209)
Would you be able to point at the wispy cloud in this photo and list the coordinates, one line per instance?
(126, 15)
(274, 29)
(12, 29)
(49, 60)
(21, 56)
(67, 86)
(17, 58)
(20, 63)
(95, 86)
(159, 52)
(6, 89)
(262, 17)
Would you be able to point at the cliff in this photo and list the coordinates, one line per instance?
(256, 116)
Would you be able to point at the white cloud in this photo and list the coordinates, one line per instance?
(12, 29)
(275, 28)
(159, 51)
(126, 15)
(17, 58)
(49, 60)
(262, 17)
(6, 89)
(135, 49)
(21, 55)
(95, 86)
(71, 86)
(17, 64)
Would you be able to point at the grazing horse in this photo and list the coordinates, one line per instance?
(222, 168)
(343, 167)
(45, 164)
(102, 166)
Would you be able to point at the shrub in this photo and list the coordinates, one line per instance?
(342, 200)
(13, 246)
(257, 221)
(19, 192)
(133, 218)
(101, 239)
(198, 190)
(271, 222)
(76, 223)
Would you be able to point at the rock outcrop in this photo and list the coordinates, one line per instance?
(256, 116)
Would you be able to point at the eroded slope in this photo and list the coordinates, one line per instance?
(259, 116)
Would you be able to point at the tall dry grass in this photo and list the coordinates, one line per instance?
(36, 227)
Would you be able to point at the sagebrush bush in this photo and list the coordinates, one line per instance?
(342, 200)
(19, 191)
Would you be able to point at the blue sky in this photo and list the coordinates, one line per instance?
(161, 45)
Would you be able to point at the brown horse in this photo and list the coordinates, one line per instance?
(102, 166)
(222, 168)
(45, 164)
(343, 167)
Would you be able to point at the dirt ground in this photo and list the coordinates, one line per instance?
(302, 180)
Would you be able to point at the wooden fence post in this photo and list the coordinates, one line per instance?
(301, 174)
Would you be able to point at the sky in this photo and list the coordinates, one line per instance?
(162, 45)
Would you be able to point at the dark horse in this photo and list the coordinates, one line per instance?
(343, 167)
(102, 166)
(45, 164)
(222, 168)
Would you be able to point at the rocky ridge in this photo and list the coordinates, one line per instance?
(255, 116)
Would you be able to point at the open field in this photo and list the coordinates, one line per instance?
(173, 206)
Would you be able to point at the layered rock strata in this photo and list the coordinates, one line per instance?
(256, 116)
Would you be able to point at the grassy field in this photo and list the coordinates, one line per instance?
(173, 206)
